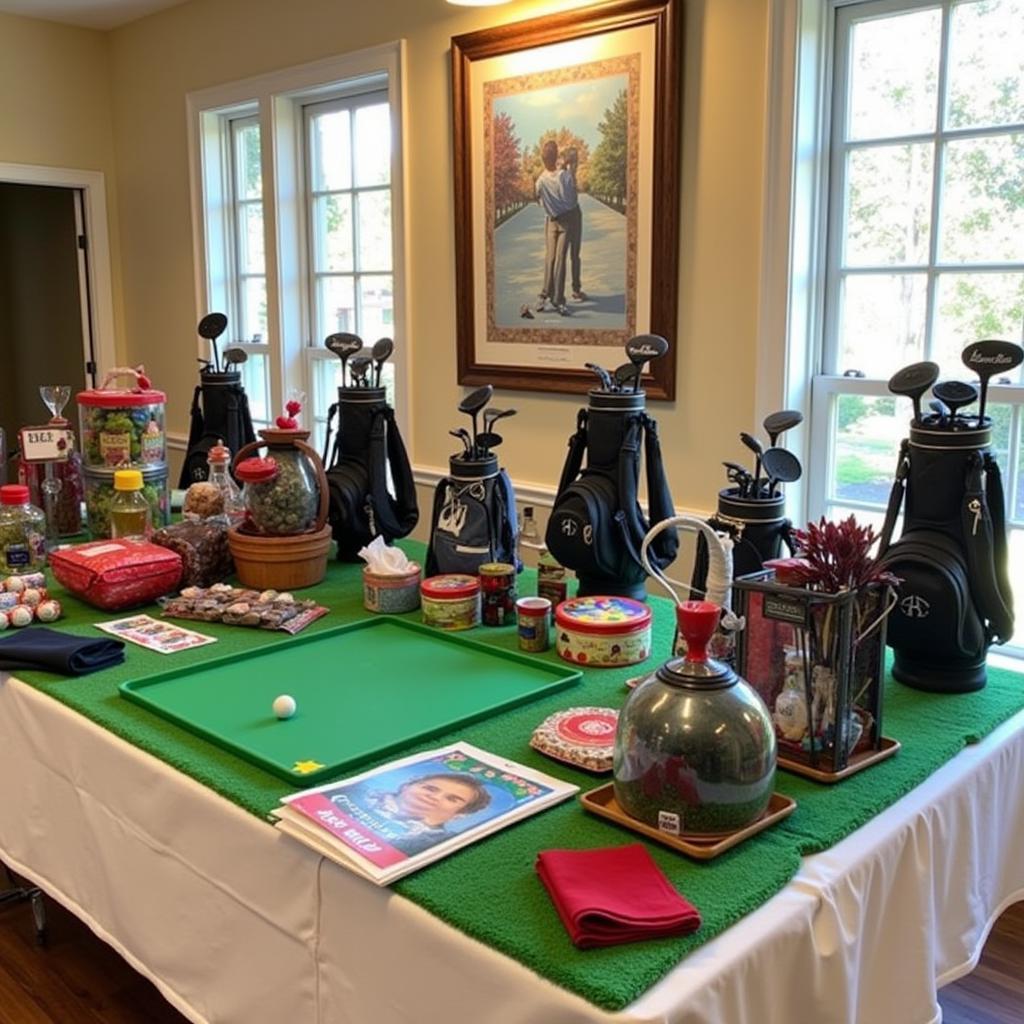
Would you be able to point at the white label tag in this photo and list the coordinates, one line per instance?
(669, 822)
(45, 444)
(103, 549)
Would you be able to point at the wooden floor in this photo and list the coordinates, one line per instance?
(77, 979)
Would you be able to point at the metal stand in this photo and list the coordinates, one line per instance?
(18, 894)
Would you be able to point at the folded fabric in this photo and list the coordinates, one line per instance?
(606, 897)
(49, 651)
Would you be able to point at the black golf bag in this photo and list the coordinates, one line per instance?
(473, 520)
(596, 526)
(222, 416)
(954, 598)
(367, 443)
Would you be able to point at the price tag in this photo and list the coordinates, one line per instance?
(45, 444)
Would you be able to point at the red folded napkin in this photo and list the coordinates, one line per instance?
(605, 897)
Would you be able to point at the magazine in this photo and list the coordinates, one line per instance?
(395, 819)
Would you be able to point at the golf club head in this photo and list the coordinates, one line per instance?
(751, 442)
(642, 349)
(343, 344)
(476, 400)
(500, 414)
(913, 381)
(360, 368)
(602, 375)
(781, 466)
(212, 326)
(488, 440)
(777, 423)
(991, 357)
(955, 394)
(622, 375)
(235, 356)
(463, 435)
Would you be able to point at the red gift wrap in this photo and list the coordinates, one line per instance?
(116, 574)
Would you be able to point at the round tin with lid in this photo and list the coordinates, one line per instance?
(583, 737)
(451, 601)
(602, 632)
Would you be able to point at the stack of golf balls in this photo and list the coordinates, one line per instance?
(23, 599)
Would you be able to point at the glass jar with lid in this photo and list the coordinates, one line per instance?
(22, 532)
(218, 458)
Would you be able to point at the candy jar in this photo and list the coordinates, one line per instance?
(695, 747)
(22, 532)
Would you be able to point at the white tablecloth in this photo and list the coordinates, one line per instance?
(237, 923)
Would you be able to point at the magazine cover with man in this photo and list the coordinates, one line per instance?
(396, 818)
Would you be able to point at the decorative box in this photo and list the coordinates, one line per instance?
(602, 632)
(451, 601)
(116, 574)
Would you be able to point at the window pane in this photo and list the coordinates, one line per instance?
(881, 323)
(374, 230)
(254, 308)
(248, 173)
(250, 241)
(983, 200)
(376, 305)
(333, 231)
(326, 381)
(864, 518)
(332, 151)
(986, 64)
(257, 387)
(894, 67)
(888, 205)
(868, 435)
(373, 145)
(336, 307)
(970, 307)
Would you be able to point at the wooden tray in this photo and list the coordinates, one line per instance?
(856, 763)
(601, 801)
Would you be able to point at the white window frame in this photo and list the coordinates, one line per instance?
(278, 98)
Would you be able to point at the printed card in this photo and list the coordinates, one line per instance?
(162, 637)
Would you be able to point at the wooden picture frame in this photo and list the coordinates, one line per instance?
(594, 94)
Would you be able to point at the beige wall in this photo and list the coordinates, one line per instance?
(55, 110)
(156, 61)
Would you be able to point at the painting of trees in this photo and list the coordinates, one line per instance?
(609, 164)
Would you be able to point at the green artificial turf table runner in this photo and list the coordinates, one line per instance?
(474, 888)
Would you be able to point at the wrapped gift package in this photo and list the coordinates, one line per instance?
(203, 546)
(116, 574)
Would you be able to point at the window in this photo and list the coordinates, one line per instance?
(297, 210)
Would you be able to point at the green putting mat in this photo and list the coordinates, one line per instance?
(474, 888)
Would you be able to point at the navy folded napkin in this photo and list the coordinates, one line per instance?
(46, 650)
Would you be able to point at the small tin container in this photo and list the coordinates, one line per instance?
(534, 619)
(552, 579)
(602, 632)
(389, 594)
(497, 593)
(451, 601)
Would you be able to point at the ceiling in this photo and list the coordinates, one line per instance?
(98, 14)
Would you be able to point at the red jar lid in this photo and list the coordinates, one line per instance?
(120, 399)
(450, 586)
(606, 616)
(256, 471)
(14, 494)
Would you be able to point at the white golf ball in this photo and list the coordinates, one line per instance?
(284, 706)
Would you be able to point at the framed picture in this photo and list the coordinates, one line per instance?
(566, 178)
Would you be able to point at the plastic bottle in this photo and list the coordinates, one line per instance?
(22, 532)
(129, 511)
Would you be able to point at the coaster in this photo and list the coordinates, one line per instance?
(601, 801)
(581, 737)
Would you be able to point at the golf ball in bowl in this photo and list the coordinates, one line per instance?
(284, 706)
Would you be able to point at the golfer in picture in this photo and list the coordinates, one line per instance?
(556, 192)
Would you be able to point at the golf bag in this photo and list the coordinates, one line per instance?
(366, 445)
(954, 598)
(473, 520)
(596, 526)
(222, 416)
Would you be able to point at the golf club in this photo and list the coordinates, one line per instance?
(777, 423)
(473, 403)
(755, 446)
(235, 356)
(622, 375)
(381, 352)
(463, 435)
(498, 414)
(781, 466)
(940, 409)
(736, 474)
(603, 375)
(343, 345)
(913, 381)
(955, 394)
(211, 327)
(488, 440)
(642, 349)
(986, 359)
(360, 369)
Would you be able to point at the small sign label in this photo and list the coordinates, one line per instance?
(784, 609)
(45, 444)
(669, 822)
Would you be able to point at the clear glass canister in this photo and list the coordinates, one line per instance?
(121, 427)
(695, 750)
(281, 492)
(22, 532)
(129, 511)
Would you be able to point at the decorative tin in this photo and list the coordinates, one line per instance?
(583, 737)
(603, 632)
(534, 621)
(552, 579)
(392, 594)
(497, 592)
(451, 601)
